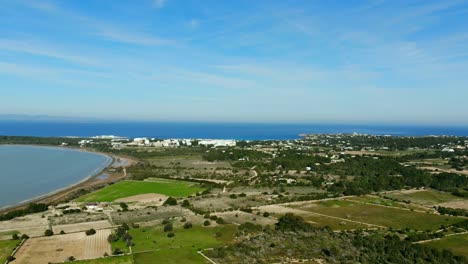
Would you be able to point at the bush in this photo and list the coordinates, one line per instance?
(220, 221)
(62, 232)
(24, 236)
(90, 232)
(185, 203)
(170, 235)
(187, 225)
(168, 227)
(49, 232)
(15, 237)
(207, 223)
(170, 201)
(266, 214)
(233, 196)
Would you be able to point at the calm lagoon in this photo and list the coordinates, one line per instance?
(27, 172)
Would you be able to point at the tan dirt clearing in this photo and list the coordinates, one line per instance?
(73, 228)
(59, 248)
(144, 198)
(455, 204)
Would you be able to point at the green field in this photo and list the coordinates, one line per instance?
(108, 260)
(129, 188)
(152, 244)
(6, 248)
(378, 215)
(458, 244)
(426, 197)
(385, 202)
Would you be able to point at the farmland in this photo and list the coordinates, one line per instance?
(377, 215)
(152, 243)
(6, 247)
(111, 260)
(130, 188)
(458, 244)
(424, 197)
(60, 247)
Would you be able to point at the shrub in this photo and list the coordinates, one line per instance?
(187, 225)
(90, 232)
(168, 227)
(233, 196)
(207, 223)
(170, 235)
(185, 203)
(170, 201)
(266, 214)
(49, 232)
(220, 221)
(62, 232)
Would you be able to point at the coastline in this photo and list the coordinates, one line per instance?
(58, 193)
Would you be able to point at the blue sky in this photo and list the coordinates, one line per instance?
(233, 61)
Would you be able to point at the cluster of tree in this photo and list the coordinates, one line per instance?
(39, 140)
(71, 211)
(424, 236)
(121, 233)
(256, 244)
(234, 154)
(452, 211)
(31, 209)
(393, 143)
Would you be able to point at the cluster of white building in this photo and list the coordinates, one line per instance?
(152, 142)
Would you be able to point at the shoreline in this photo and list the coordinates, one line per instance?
(110, 159)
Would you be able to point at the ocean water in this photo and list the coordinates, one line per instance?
(249, 131)
(27, 172)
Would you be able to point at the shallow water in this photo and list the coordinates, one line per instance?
(27, 172)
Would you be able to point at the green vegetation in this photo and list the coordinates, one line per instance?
(32, 208)
(457, 244)
(152, 243)
(6, 248)
(108, 260)
(379, 215)
(129, 188)
(425, 197)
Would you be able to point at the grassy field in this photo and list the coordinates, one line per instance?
(129, 188)
(335, 224)
(378, 215)
(196, 162)
(458, 244)
(152, 244)
(426, 197)
(108, 260)
(385, 202)
(6, 248)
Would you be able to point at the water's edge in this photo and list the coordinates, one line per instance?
(104, 165)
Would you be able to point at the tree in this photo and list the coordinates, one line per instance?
(168, 227)
(185, 203)
(170, 201)
(207, 223)
(187, 225)
(49, 232)
(15, 237)
(90, 232)
(170, 234)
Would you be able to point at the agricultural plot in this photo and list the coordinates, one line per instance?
(188, 162)
(151, 243)
(458, 244)
(424, 197)
(108, 260)
(379, 216)
(386, 202)
(72, 228)
(6, 248)
(131, 188)
(59, 248)
(314, 219)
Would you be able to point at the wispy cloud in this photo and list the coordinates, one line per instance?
(159, 3)
(144, 39)
(41, 49)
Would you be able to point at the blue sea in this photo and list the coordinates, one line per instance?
(239, 131)
(27, 172)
